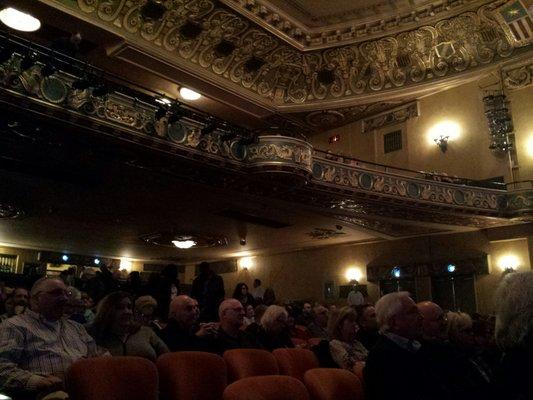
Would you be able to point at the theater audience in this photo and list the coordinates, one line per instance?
(37, 347)
(273, 330)
(318, 327)
(145, 309)
(514, 335)
(368, 333)
(115, 329)
(345, 349)
(258, 291)
(230, 335)
(306, 317)
(460, 331)
(241, 293)
(208, 290)
(395, 369)
(355, 297)
(269, 297)
(88, 304)
(182, 332)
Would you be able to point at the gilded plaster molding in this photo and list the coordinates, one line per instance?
(391, 117)
(289, 78)
(518, 76)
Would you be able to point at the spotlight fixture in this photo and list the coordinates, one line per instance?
(190, 29)
(152, 10)
(100, 90)
(64, 257)
(189, 94)
(96, 261)
(253, 64)
(451, 268)
(81, 84)
(442, 142)
(209, 128)
(325, 76)
(19, 20)
(224, 48)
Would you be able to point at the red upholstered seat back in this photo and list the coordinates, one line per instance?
(295, 362)
(191, 375)
(112, 378)
(333, 384)
(243, 363)
(273, 387)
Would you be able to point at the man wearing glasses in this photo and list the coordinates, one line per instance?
(37, 348)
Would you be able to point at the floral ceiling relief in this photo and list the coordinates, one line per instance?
(287, 76)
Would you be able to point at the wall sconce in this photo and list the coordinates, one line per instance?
(353, 274)
(246, 263)
(442, 142)
(509, 263)
(126, 264)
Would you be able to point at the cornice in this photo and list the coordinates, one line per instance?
(305, 38)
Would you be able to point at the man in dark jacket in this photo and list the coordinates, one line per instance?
(208, 290)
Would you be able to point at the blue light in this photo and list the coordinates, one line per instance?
(450, 268)
(64, 257)
(96, 261)
(396, 272)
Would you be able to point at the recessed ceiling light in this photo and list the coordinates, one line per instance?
(189, 94)
(184, 244)
(19, 20)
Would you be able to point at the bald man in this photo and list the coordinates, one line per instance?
(230, 334)
(182, 332)
(433, 322)
(37, 347)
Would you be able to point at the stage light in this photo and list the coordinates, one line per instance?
(451, 268)
(96, 261)
(64, 257)
(396, 272)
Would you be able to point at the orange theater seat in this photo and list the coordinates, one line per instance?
(295, 362)
(274, 387)
(191, 375)
(243, 363)
(333, 384)
(112, 378)
(358, 370)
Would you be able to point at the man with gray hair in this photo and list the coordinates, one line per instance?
(37, 347)
(230, 334)
(395, 369)
(514, 335)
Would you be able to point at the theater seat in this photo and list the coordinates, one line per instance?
(358, 370)
(112, 378)
(333, 384)
(274, 387)
(191, 375)
(243, 363)
(295, 362)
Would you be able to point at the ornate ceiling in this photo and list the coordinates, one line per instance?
(297, 58)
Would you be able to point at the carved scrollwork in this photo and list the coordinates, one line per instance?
(518, 76)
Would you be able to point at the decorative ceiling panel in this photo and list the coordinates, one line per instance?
(290, 80)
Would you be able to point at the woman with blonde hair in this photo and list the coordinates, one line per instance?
(459, 330)
(273, 329)
(345, 349)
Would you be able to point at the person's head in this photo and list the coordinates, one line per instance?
(114, 313)
(307, 308)
(9, 306)
(184, 310)
(397, 313)
(343, 324)
(250, 313)
(21, 297)
(145, 307)
(274, 320)
(204, 268)
(259, 311)
(514, 310)
(231, 314)
(257, 283)
(269, 297)
(134, 277)
(241, 290)
(49, 297)
(87, 300)
(74, 304)
(433, 321)
(366, 317)
(321, 316)
(460, 330)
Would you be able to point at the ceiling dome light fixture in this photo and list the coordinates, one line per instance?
(189, 94)
(19, 20)
(184, 243)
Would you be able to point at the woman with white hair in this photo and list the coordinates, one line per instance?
(514, 335)
(273, 329)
